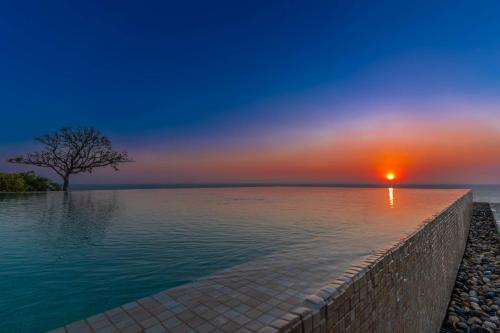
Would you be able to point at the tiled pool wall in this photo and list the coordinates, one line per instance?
(403, 288)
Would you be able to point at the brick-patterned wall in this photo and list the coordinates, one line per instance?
(404, 288)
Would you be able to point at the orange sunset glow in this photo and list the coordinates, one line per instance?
(352, 154)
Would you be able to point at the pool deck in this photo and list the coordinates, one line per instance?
(244, 298)
(256, 296)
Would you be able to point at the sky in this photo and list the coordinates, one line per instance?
(259, 91)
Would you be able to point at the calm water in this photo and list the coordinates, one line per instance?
(64, 257)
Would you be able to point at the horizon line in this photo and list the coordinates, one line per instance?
(275, 184)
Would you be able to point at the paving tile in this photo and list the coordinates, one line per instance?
(243, 330)
(171, 323)
(78, 327)
(135, 328)
(97, 325)
(122, 321)
(266, 318)
(130, 306)
(186, 315)
(107, 329)
(230, 326)
(182, 328)
(158, 328)
(268, 330)
(147, 323)
(254, 325)
(96, 318)
(241, 319)
(221, 308)
(195, 322)
(113, 312)
(220, 320)
(209, 314)
(164, 315)
(205, 328)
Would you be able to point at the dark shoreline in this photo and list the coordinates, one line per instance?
(475, 303)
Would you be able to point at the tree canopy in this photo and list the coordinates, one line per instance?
(71, 151)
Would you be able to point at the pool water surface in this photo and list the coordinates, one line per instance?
(65, 257)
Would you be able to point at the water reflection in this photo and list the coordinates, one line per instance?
(391, 197)
(20, 197)
(77, 218)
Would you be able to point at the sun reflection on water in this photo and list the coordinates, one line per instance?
(391, 197)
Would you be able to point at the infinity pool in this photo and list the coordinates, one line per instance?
(65, 257)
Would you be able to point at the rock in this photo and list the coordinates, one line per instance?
(453, 320)
(458, 310)
(474, 320)
(471, 282)
(495, 320)
(479, 329)
(476, 313)
(491, 294)
(474, 305)
(490, 325)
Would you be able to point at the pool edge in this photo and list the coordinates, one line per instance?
(376, 295)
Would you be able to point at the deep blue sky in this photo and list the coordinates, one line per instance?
(233, 70)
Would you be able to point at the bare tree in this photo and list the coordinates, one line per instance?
(70, 151)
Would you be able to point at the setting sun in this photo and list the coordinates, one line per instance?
(390, 176)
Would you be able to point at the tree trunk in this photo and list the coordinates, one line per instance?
(66, 183)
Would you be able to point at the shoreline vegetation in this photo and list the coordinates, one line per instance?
(22, 182)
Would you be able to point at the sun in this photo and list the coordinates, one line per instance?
(390, 176)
